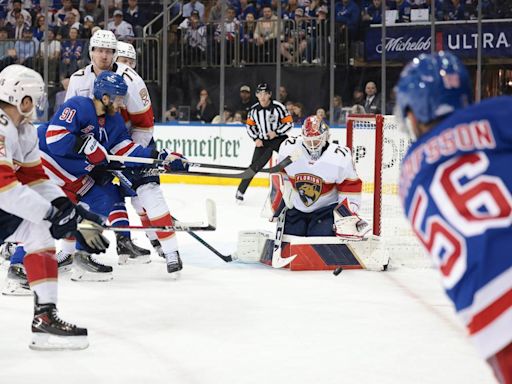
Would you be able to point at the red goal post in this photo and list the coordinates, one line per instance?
(378, 147)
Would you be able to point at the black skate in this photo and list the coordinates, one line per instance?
(88, 269)
(17, 283)
(49, 332)
(158, 247)
(64, 261)
(129, 252)
(6, 251)
(173, 261)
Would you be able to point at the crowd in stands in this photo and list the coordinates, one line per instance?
(365, 100)
(252, 24)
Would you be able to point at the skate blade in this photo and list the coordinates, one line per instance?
(65, 269)
(124, 259)
(81, 275)
(48, 342)
(175, 275)
(15, 289)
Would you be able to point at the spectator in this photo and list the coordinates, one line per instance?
(91, 9)
(298, 113)
(247, 29)
(215, 14)
(320, 113)
(205, 110)
(295, 38)
(289, 10)
(357, 109)
(290, 107)
(239, 117)
(283, 95)
(243, 8)
(337, 110)
(136, 17)
(227, 117)
(39, 28)
(71, 54)
(16, 8)
(439, 8)
(54, 48)
(19, 26)
(171, 114)
(67, 7)
(27, 48)
(70, 21)
(61, 95)
(373, 100)
(266, 35)
(373, 13)
(246, 100)
(454, 10)
(7, 51)
(86, 32)
(122, 30)
(191, 6)
(358, 96)
(231, 28)
(347, 14)
(195, 40)
(404, 10)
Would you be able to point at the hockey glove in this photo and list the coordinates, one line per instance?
(63, 217)
(173, 161)
(94, 151)
(90, 237)
(348, 225)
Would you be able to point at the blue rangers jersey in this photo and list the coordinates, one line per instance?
(455, 186)
(58, 142)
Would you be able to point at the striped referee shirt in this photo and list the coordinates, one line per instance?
(262, 120)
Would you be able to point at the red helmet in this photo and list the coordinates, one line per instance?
(315, 133)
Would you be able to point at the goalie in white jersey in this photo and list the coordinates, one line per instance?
(321, 188)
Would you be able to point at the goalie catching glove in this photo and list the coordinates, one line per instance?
(65, 216)
(347, 224)
(173, 161)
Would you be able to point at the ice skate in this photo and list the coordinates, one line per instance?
(88, 269)
(16, 282)
(65, 261)
(128, 252)
(174, 264)
(6, 251)
(49, 332)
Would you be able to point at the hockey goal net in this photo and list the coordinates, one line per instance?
(378, 147)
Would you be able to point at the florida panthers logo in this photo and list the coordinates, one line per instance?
(309, 187)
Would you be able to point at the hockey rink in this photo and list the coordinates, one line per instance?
(224, 323)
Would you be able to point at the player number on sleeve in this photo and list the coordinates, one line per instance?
(67, 115)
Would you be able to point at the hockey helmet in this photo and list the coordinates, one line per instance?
(432, 86)
(17, 82)
(315, 133)
(126, 50)
(102, 39)
(110, 84)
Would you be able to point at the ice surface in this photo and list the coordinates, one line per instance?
(239, 323)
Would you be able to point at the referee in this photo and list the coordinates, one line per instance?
(267, 124)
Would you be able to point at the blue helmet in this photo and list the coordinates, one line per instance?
(111, 84)
(432, 86)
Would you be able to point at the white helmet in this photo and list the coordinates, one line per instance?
(17, 82)
(102, 39)
(126, 50)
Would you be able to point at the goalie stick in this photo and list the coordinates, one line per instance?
(245, 174)
(277, 260)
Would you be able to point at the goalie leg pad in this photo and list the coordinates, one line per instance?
(251, 244)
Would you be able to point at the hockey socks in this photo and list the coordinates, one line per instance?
(41, 268)
(118, 217)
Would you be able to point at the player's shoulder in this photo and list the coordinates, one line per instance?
(278, 104)
(290, 144)
(128, 73)
(337, 153)
(81, 73)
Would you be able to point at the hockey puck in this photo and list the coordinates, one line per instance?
(337, 271)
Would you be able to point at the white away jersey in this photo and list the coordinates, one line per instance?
(317, 184)
(25, 190)
(139, 112)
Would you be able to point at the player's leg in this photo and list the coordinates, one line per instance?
(144, 219)
(49, 332)
(501, 364)
(16, 281)
(153, 201)
(260, 157)
(296, 223)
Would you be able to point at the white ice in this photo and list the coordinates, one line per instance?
(240, 323)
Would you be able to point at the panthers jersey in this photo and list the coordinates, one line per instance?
(328, 180)
(456, 187)
(138, 114)
(25, 190)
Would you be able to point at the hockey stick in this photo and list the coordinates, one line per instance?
(226, 258)
(277, 260)
(245, 174)
(210, 225)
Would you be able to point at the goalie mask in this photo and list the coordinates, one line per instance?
(315, 134)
